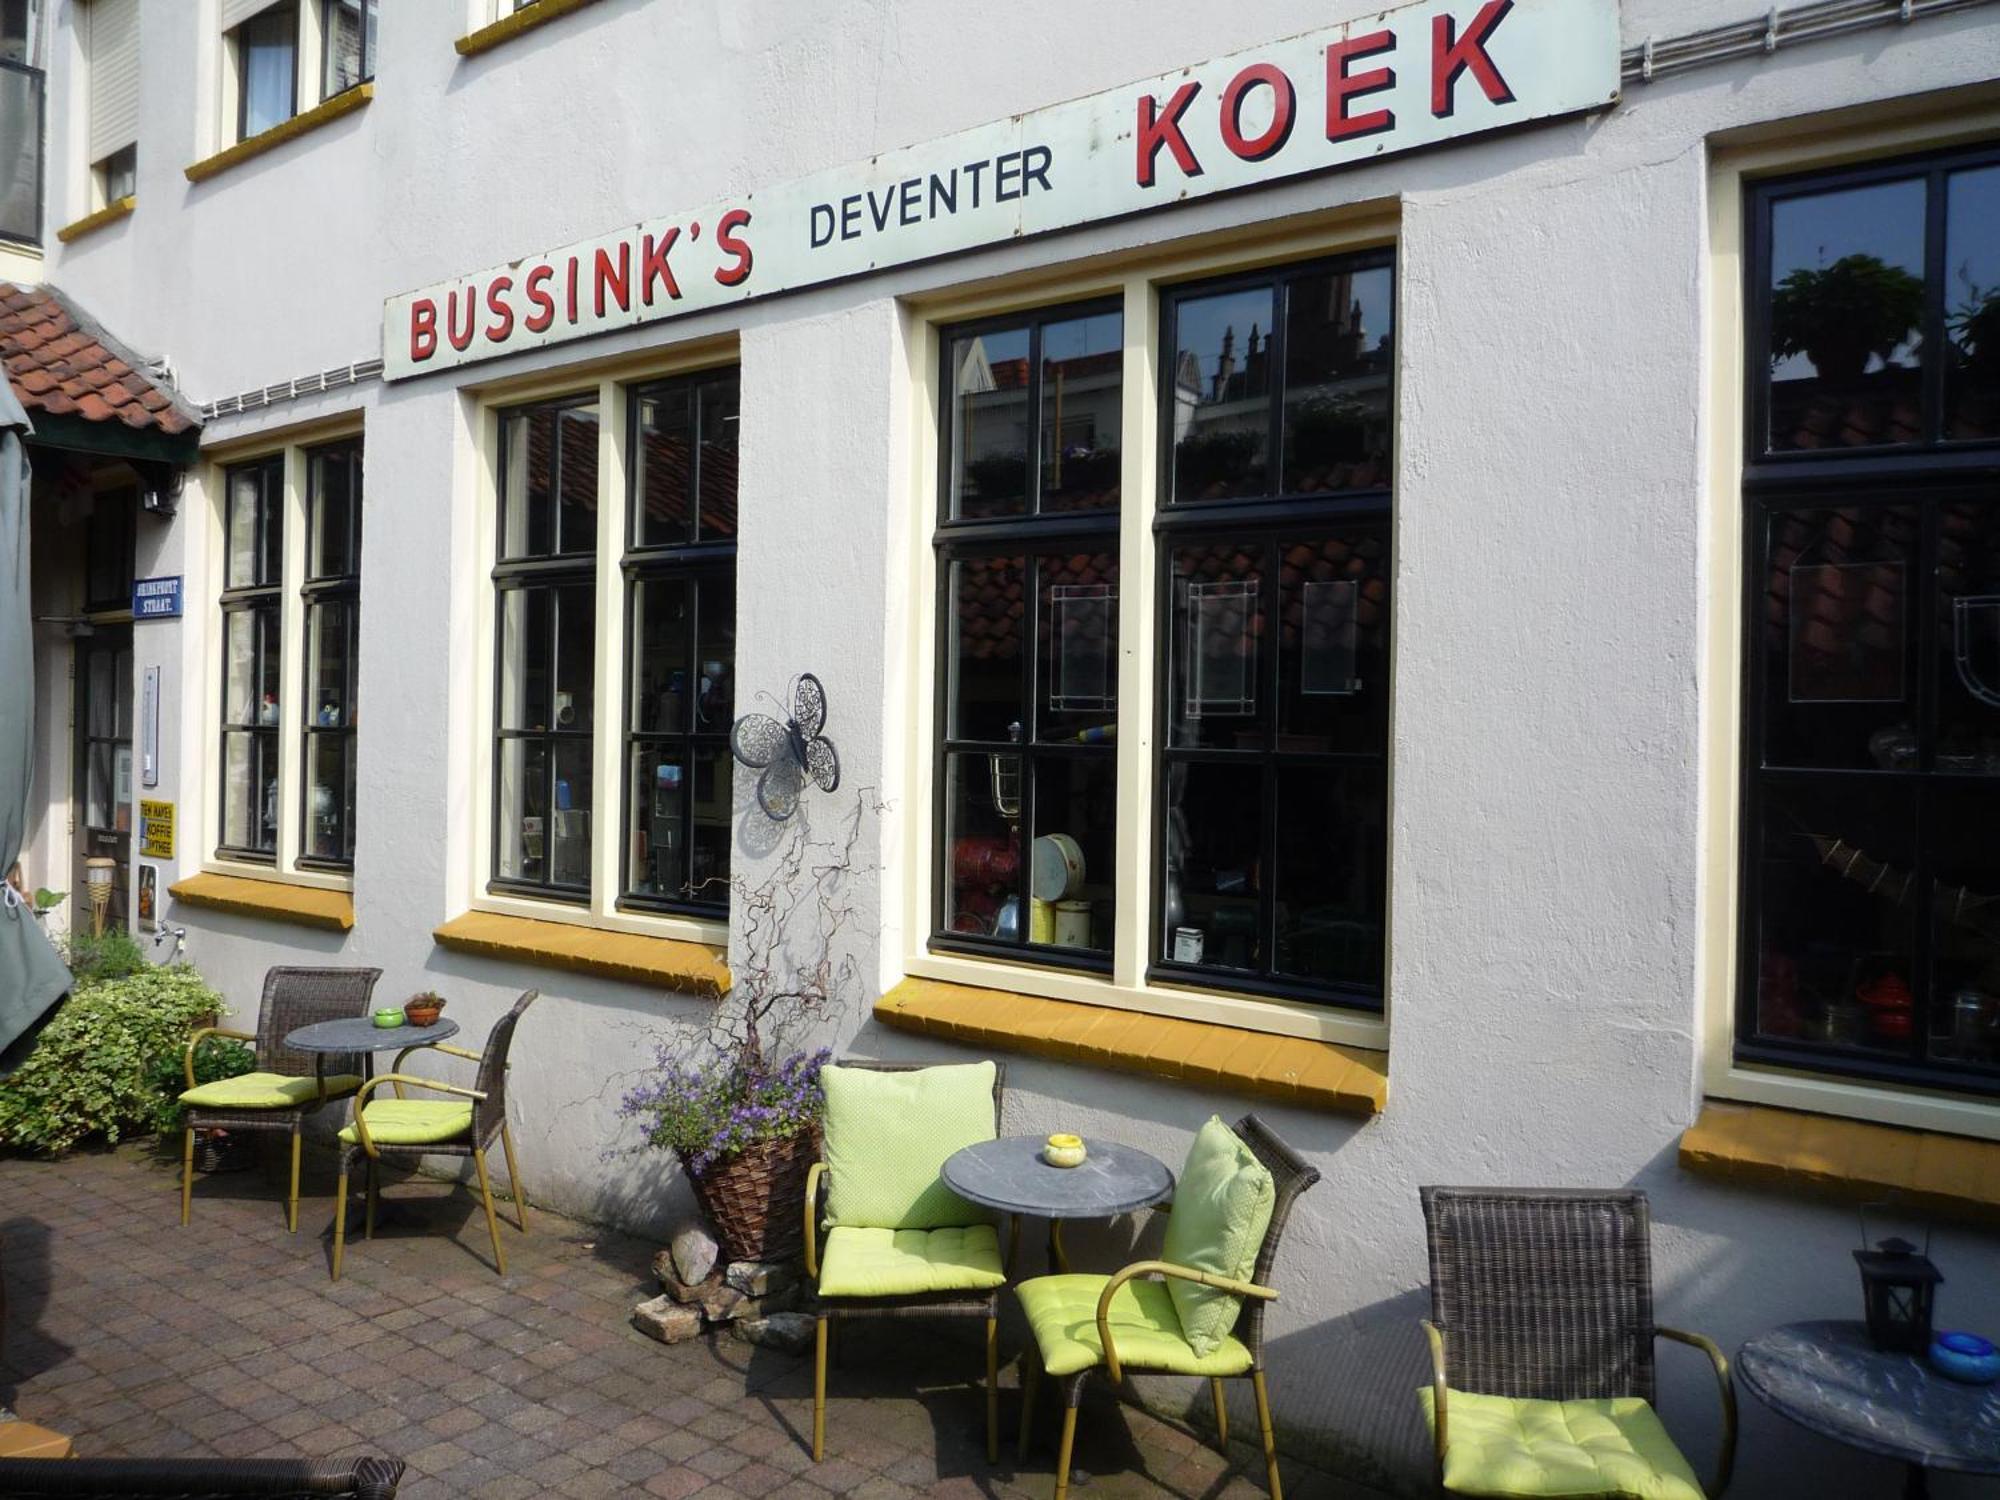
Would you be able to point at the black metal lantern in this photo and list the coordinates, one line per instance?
(1898, 1285)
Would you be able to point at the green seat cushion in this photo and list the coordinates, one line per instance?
(905, 1262)
(412, 1122)
(267, 1091)
(889, 1134)
(1222, 1206)
(1502, 1445)
(1062, 1315)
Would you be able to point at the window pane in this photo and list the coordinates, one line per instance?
(21, 155)
(526, 616)
(1078, 666)
(1332, 873)
(1837, 930)
(268, 50)
(1222, 390)
(569, 832)
(715, 643)
(350, 44)
(1333, 646)
(98, 798)
(714, 822)
(121, 693)
(1218, 620)
(719, 424)
(1847, 300)
(524, 778)
(101, 717)
(256, 526)
(1214, 818)
(1972, 303)
(239, 797)
(1968, 582)
(550, 481)
(989, 425)
(984, 654)
(661, 652)
(1836, 626)
(1073, 886)
(576, 473)
(982, 885)
(330, 635)
(250, 665)
(336, 503)
(1965, 986)
(121, 173)
(575, 658)
(659, 797)
(666, 467)
(1339, 349)
(330, 796)
(1082, 411)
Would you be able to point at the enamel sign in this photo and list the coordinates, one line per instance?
(1418, 75)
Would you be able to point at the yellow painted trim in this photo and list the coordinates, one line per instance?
(664, 963)
(111, 213)
(344, 103)
(1311, 1075)
(276, 900)
(486, 38)
(1930, 1172)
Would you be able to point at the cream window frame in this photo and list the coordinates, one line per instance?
(308, 69)
(1800, 145)
(1138, 281)
(610, 384)
(216, 463)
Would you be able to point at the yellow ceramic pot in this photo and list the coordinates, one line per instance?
(1064, 1151)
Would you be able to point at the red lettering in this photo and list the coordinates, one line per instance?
(538, 322)
(451, 330)
(1283, 110)
(496, 303)
(572, 289)
(736, 246)
(619, 280)
(653, 266)
(1343, 86)
(1451, 56)
(423, 329)
(1157, 130)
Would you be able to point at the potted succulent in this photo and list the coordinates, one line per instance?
(423, 1009)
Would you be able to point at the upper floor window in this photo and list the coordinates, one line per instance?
(23, 106)
(347, 29)
(264, 54)
(111, 42)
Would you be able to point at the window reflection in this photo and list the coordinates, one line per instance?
(989, 416)
(1222, 394)
(1972, 303)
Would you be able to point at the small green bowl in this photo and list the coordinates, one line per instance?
(388, 1018)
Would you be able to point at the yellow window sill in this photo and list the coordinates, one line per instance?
(308, 906)
(1854, 1161)
(486, 38)
(1310, 1074)
(111, 213)
(665, 963)
(345, 103)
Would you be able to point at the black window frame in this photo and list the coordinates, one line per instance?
(1271, 519)
(1926, 475)
(240, 39)
(1030, 535)
(697, 563)
(369, 11)
(264, 600)
(552, 571)
(315, 590)
(38, 82)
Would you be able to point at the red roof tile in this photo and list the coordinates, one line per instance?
(59, 362)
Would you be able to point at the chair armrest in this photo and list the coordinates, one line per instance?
(1725, 1465)
(1434, 1336)
(187, 1058)
(815, 1175)
(1167, 1269)
(399, 1079)
(397, 1066)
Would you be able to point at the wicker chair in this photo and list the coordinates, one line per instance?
(1541, 1327)
(403, 1129)
(1240, 1354)
(199, 1478)
(275, 1098)
(983, 1302)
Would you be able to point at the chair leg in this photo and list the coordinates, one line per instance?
(492, 1219)
(514, 1177)
(1063, 1453)
(1221, 1397)
(372, 1187)
(819, 1388)
(993, 1390)
(292, 1201)
(1270, 1438)
(340, 1217)
(187, 1174)
(1031, 1379)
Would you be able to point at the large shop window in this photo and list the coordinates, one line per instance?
(1871, 874)
(1266, 803)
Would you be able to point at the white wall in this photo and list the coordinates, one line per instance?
(1551, 587)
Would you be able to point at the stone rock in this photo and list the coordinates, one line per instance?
(757, 1278)
(719, 1302)
(790, 1332)
(666, 1320)
(695, 1253)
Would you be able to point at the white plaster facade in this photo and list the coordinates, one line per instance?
(1554, 828)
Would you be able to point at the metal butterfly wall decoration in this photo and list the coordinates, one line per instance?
(789, 753)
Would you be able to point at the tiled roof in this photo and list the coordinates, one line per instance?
(59, 362)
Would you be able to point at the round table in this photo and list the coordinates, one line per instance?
(361, 1034)
(1009, 1174)
(1828, 1378)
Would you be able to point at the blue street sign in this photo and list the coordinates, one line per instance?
(156, 598)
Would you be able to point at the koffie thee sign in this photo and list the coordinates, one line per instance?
(1414, 76)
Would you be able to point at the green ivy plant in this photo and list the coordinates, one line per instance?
(93, 1071)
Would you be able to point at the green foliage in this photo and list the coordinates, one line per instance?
(92, 1071)
(215, 1058)
(115, 955)
(48, 900)
(1838, 315)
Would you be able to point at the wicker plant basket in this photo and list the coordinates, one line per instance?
(756, 1199)
(223, 1151)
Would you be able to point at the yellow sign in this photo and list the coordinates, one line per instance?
(156, 830)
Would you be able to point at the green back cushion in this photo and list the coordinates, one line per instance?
(887, 1136)
(1222, 1207)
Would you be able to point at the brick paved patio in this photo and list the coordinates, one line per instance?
(139, 1337)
